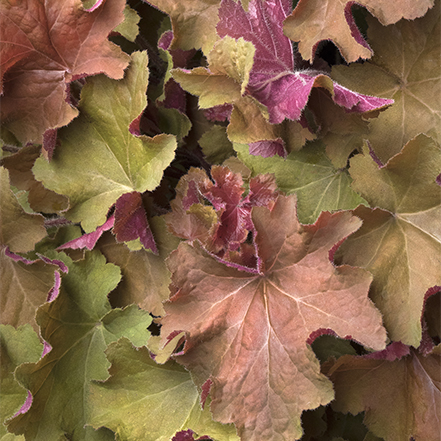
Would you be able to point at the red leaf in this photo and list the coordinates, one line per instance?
(131, 221)
(90, 239)
(405, 402)
(247, 332)
(232, 208)
(46, 45)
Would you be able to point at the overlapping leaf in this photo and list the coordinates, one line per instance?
(20, 172)
(78, 325)
(25, 286)
(194, 23)
(405, 67)
(248, 336)
(401, 235)
(19, 231)
(145, 277)
(45, 45)
(163, 397)
(99, 159)
(18, 346)
(309, 174)
(223, 227)
(405, 402)
(271, 78)
(313, 21)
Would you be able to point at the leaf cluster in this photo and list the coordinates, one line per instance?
(220, 220)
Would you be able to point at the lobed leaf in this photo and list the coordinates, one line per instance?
(18, 346)
(19, 231)
(248, 336)
(313, 21)
(274, 80)
(163, 397)
(405, 67)
(406, 399)
(99, 159)
(309, 174)
(401, 234)
(78, 325)
(193, 23)
(46, 46)
(20, 166)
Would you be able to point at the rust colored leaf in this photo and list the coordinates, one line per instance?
(405, 401)
(247, 330)
(45, 46)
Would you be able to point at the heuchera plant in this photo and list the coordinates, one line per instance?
(220, 220)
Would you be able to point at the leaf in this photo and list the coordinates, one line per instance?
(129, 27)
(25, 286)
(249, 125)
(341, 132)
(226, 80)
(18, 346)
(309, 174)
(20, 173)
(406, 400)
(99, 159)
(274, 81)
(131, 221)
(248, 337)
(46, 46)
(194, 23)
(313, 21)
(88, 240)
(78, 325)
(401, 238)
(222, 228)
(405, 67)
(216, 145)
(162, 396)
(19, 231)
(145, 278)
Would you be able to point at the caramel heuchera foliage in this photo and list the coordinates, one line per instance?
(220, 220)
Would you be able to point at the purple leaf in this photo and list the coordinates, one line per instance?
(218, 113)
(131, 221)
(90, 239)
(268, 148)
(273, 79)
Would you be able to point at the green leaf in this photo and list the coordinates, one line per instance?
(78, 324)
(216, 145)
(400, 238)
(145, 401)
(99, 159)
(129, 27)
(225, 81)
(23, 288)
(309, 174)
(145, 277)
(18, 346)
(194, 23)
(405, 67)
(19, 231)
